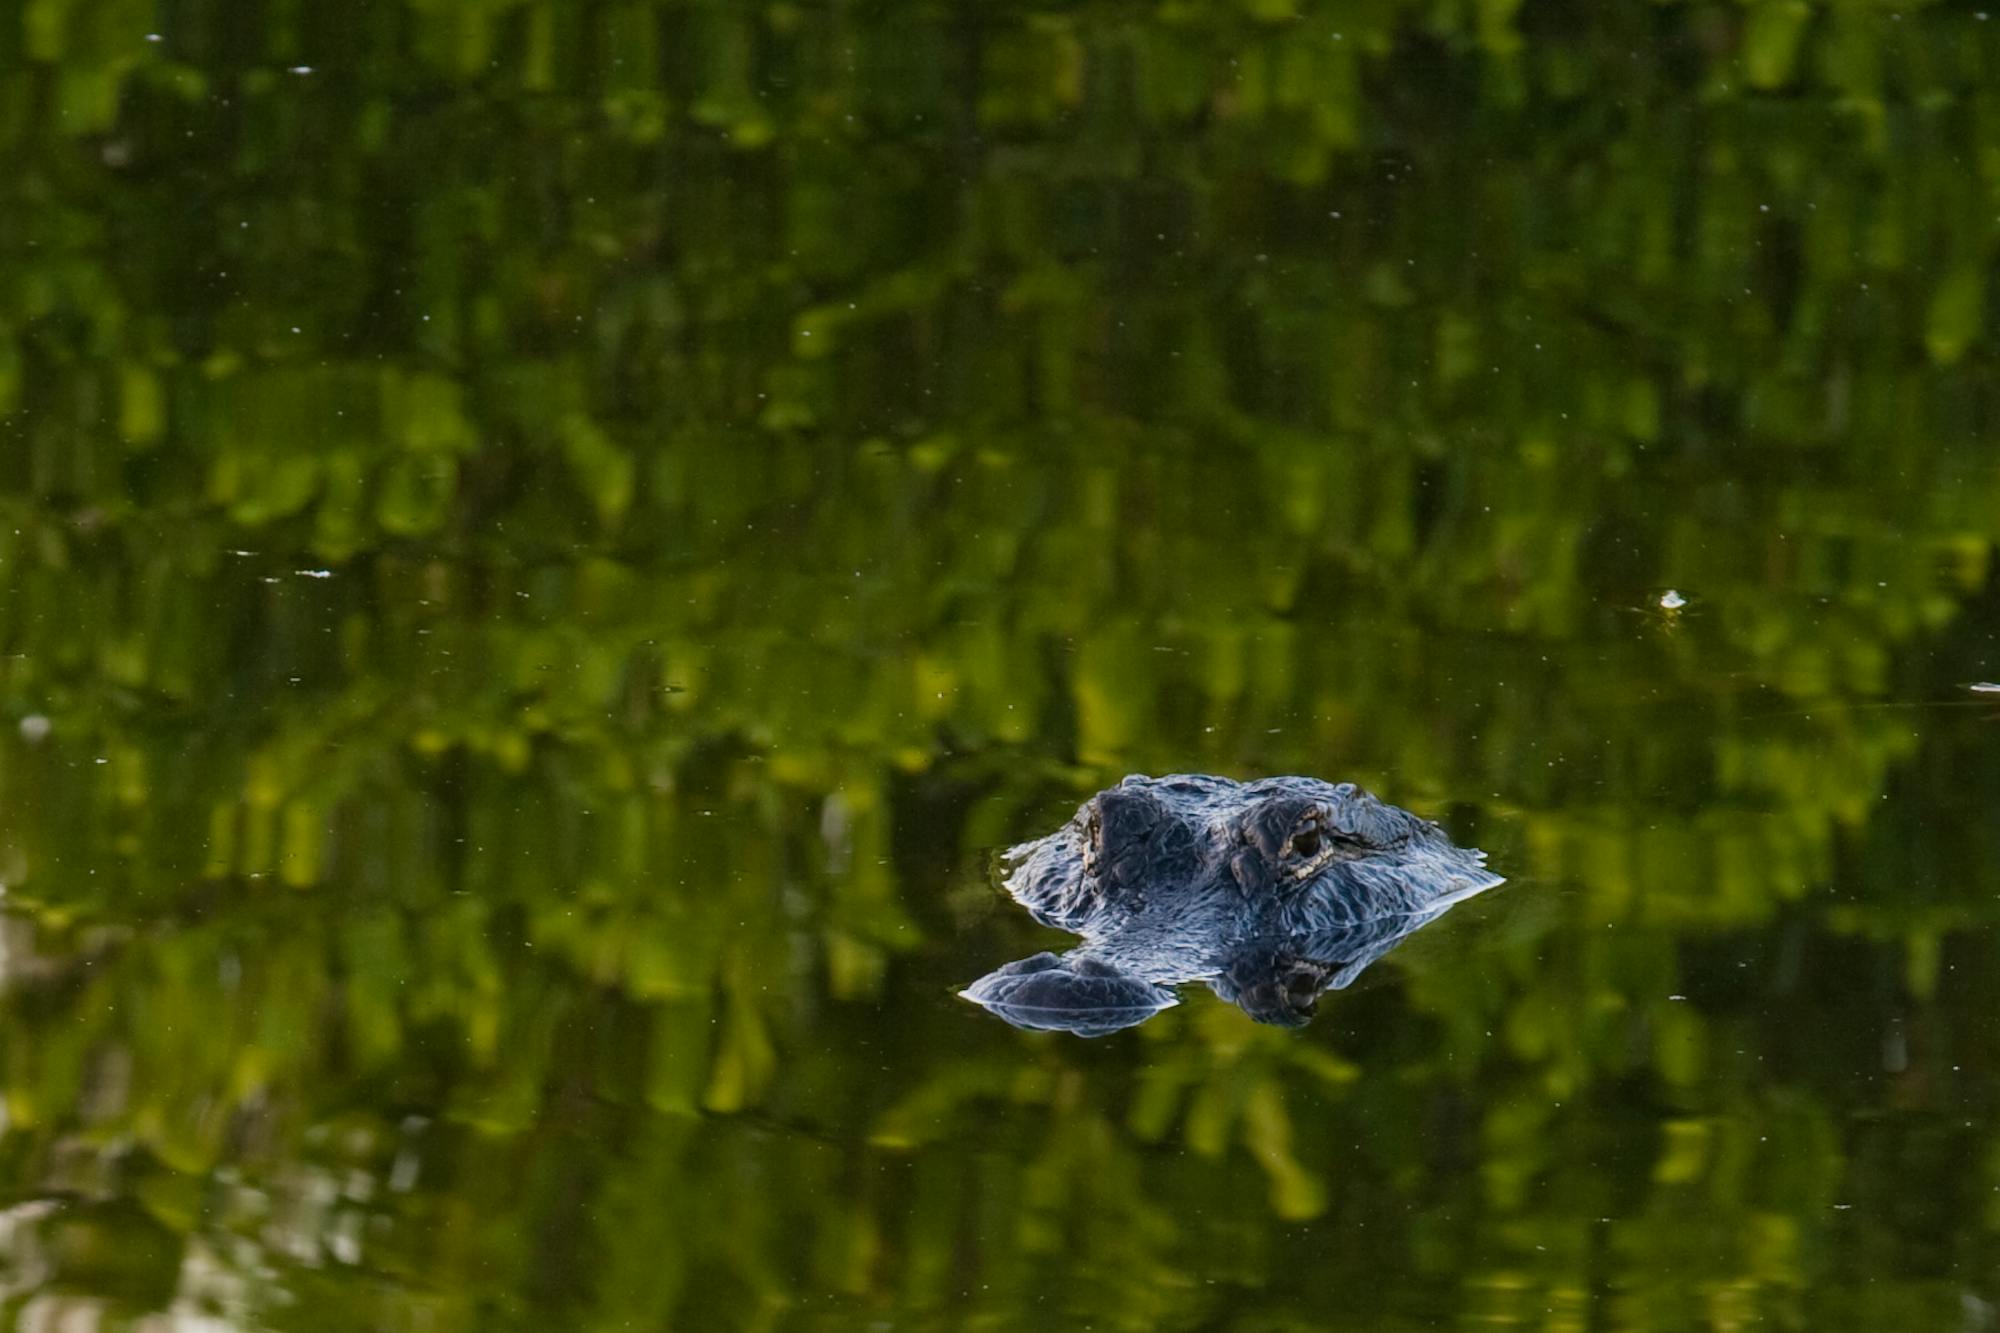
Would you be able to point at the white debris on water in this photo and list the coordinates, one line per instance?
(314, 573)
(1984, 687)
(1672, 601)
(34, 728)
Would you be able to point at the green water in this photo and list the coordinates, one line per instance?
(543, 546)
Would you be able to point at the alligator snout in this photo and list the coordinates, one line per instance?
(1125, 818)
(1131, 837)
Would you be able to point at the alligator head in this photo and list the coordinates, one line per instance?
(1271, 892)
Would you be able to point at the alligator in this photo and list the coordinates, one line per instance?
(1271, 892)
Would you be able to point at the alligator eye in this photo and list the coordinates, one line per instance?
(1311, 846)
(1302, 991)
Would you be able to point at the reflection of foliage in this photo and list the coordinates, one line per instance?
(542, 535)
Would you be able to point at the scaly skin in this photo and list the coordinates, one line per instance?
(1270, 892)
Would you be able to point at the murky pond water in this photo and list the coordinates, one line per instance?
(545, 547)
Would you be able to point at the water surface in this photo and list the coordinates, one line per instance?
(543, 546)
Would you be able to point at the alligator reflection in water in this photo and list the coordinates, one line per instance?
(1271, 892)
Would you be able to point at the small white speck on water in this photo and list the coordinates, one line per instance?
(1985, 687)
(35, 728)
(1672, 601)
(155, 37)
(302, 69)
(314, 573)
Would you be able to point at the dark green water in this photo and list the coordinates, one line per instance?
(543, 545)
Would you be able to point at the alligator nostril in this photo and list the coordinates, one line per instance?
(1127, 817)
